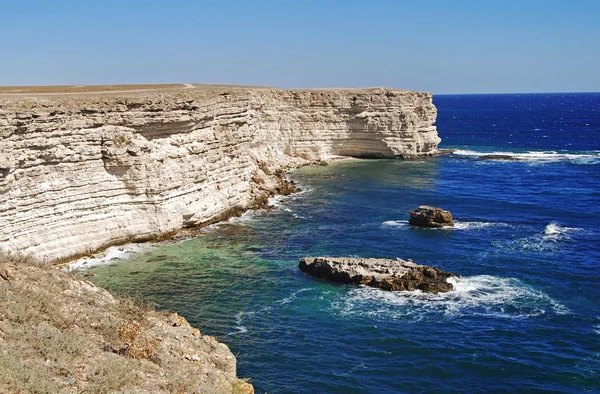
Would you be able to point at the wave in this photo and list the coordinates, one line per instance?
(109, 256)
(588, 157)
(278, 202)
(548, 239)
(247, 216)
(481, 295)
(350, 371)
(395, 223)
(555, 232)
(458, 225)
(292, 296)
(244, 315)
(239, 327)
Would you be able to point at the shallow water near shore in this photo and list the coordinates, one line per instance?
(524, 316)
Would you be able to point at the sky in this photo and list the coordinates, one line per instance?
(441, 46)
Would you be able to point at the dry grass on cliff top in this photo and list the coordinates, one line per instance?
(88, 89)
(59, 334)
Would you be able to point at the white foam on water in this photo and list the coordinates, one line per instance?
(458, 225)
(395, 223)
(481, 295)
(109, 256)
(239, 328)
(350, 371)
(292, 296)
(592, 157)
(244, 217)
(470, 225)
(555, 232)
(534, 243)
(243, 315)
(548, 239)
(279, 202)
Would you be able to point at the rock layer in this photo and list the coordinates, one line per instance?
(381, 273)
(427, 216)
(81, 172)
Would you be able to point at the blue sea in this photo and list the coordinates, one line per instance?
(524, 316)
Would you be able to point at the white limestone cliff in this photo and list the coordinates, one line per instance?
(81, 172)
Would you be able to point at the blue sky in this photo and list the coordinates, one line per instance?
(451, 46)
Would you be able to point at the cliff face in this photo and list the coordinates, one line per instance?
(81, 172)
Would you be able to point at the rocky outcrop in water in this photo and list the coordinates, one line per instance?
(385, 274)
(427, 216)
(80, 172)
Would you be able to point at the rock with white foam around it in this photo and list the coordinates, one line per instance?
(427, 216)
(386, 274)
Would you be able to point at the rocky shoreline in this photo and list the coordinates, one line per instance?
(85, 171)
(82, 172)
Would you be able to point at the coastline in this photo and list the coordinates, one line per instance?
(81, 174)
(104, 256)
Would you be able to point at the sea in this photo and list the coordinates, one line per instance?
(523, 317)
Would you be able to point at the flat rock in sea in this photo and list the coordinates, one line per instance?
(386, 274)
(499, 157)
(427, 216)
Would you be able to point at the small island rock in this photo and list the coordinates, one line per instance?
(386, 274)
(427, 216)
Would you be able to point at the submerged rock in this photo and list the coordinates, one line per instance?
(427, 216)
(499, 157)
(385, 274)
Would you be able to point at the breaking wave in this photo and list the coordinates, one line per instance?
(547, 240)
(555, 232)
(458, 225)
(481, 295)
(112, 255)
(395, 223)
(588, 157)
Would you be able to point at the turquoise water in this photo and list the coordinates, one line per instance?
(525, 316)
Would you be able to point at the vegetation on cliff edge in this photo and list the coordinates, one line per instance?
(59, 334)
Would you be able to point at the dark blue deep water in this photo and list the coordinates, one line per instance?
(525, 316)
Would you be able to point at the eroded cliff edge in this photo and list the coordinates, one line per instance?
(60, 334)
(82, 172)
